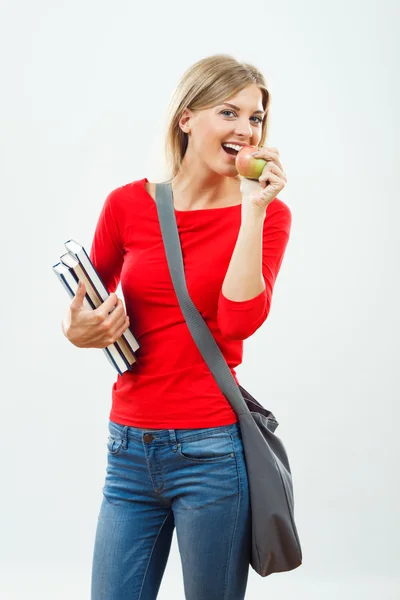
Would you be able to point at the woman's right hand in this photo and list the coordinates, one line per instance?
(94, 328)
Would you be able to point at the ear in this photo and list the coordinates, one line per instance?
(184, 121)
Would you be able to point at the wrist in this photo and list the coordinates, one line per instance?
(252, 213)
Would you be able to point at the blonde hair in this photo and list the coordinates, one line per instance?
(207, 83)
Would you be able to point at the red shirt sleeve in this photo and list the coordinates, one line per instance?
(107, 250)
(239, 320)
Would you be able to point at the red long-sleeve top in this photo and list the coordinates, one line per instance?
(171, 386)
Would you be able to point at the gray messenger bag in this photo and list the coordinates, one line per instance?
(275, 541)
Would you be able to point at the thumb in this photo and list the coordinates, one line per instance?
(79, 296)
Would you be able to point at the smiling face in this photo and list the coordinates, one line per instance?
(237, 120)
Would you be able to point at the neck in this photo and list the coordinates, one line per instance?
(198, 187)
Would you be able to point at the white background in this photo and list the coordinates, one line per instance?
(85, 88)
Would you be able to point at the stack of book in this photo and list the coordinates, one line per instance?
(76, 265)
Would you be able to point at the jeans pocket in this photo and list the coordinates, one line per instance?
(207, 448)
(115, 437)
(114, 445)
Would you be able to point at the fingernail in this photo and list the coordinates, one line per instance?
(255, 153)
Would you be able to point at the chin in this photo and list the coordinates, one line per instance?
(226, 171)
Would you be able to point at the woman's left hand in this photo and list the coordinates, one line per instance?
(273, 179)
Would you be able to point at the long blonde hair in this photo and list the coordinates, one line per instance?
(207, 83)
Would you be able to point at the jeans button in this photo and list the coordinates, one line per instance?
(147, 438)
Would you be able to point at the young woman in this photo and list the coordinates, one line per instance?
(175, 454)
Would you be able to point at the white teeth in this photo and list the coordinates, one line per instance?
(233, 146)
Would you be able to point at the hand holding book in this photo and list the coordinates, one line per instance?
(106, 326)
(98, 328)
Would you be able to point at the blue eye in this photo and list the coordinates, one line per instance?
(227, 111)
(259, 119)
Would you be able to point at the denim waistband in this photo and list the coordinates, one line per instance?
(167, 436)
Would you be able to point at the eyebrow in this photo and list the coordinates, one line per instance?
(259, 112)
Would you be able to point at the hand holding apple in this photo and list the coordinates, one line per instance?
(247, 165)
(262, 175)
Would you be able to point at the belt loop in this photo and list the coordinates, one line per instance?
(172, 436)
(125, 437)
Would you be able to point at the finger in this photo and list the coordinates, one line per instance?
(122, 329)
(111, 326)
(77, 301)
(271, 168)
(271, 155)
(109, 305)
(117, 328)
(109, 302)
(119, 322)
(116, 315)
(106, 316)
(275, 160)
(118, 308)
(275, 183)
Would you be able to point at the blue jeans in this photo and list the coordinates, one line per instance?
(194, 479)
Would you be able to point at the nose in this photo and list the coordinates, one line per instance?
(243, 129)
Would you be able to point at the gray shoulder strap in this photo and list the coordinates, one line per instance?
(201, 334)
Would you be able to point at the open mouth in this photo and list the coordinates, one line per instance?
(229, 151)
